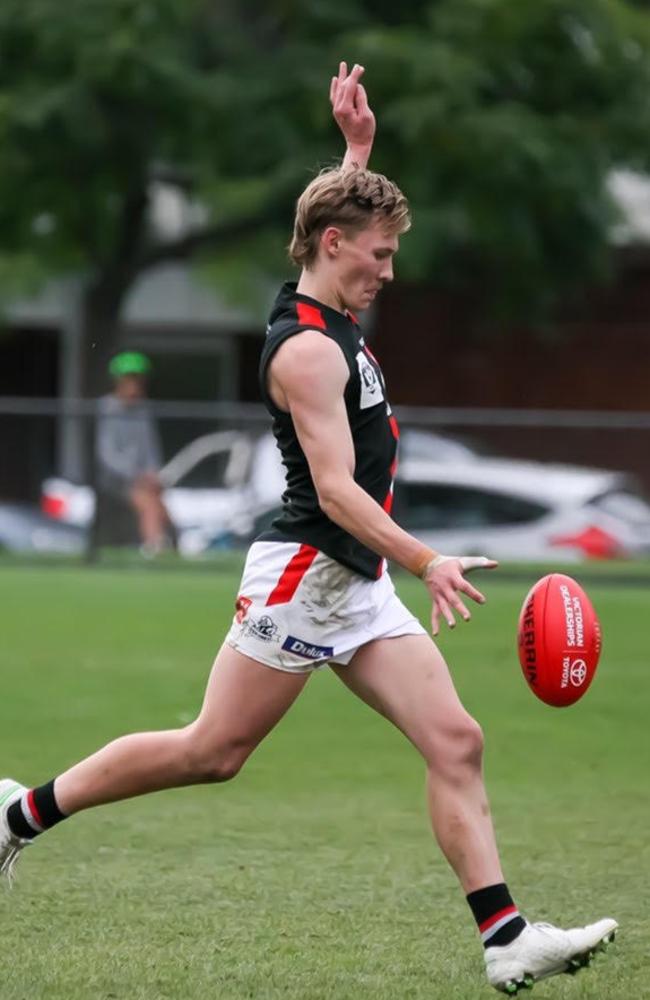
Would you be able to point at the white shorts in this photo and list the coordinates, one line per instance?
(299, 610)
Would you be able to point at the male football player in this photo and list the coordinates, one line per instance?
(315, 589)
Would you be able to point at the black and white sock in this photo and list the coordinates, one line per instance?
(34, 812)
(497, 917)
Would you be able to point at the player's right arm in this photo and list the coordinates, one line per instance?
(307, 377)
(353, 115)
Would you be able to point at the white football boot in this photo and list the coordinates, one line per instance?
(543, 950)
(10, 845)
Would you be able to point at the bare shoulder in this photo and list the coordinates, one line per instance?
(309, 357)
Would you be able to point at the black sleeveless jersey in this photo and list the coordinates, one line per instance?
(374, 432)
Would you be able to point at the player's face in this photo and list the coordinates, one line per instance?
(364, 263)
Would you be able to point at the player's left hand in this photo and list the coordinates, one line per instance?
(350, 107)
(445, 581)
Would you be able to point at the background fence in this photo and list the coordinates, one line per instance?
(213, 452)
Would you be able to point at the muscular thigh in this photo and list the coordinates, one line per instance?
(244, 699)
(407, 680)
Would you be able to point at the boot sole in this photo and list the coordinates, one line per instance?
(513, 986)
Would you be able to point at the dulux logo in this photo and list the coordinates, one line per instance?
(306, 649)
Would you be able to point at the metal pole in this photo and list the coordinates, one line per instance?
(70, 434)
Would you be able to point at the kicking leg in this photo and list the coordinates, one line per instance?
(406, 680)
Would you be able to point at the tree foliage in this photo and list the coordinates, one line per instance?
(500, 120)
(508, 119)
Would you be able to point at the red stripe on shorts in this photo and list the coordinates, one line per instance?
(293, 573)
(485, 926)
(31, 805)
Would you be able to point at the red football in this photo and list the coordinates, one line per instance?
(559, 640)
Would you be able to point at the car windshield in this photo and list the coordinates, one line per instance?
(431, 506)
(417, 444)
(208, 473)
(625, 504)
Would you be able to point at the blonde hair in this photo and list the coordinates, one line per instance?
(350, 199)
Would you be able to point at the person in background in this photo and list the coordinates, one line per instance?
(127, 450)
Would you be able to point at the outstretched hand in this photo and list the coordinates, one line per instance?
(351, 110)
(445, 582)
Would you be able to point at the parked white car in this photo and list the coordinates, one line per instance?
(25, 529)
(222, 488)
(219, 484)
(515, 510)
(467, 504)
(207, 484)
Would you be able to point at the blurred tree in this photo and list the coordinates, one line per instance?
(101, 103)
(501, 121)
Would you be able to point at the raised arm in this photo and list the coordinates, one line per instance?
(310, 373)
(353, 115)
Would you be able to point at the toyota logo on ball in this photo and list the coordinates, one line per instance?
(578, 672)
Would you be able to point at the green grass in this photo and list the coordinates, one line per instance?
(313, 876)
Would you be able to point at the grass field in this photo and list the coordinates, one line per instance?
(313, 876)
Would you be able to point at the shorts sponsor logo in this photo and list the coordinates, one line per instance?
(242, 604)
(264, 628)
(307, 649)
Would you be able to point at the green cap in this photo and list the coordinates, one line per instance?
(129, 363)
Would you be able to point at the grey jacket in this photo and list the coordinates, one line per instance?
(126, 443)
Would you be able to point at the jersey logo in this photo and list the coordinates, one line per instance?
(371, 387)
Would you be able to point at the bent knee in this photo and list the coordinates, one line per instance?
(221, 767)
(217, 761)
(458, 751)
(472, 743)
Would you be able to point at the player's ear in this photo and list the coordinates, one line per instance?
(331, 241)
